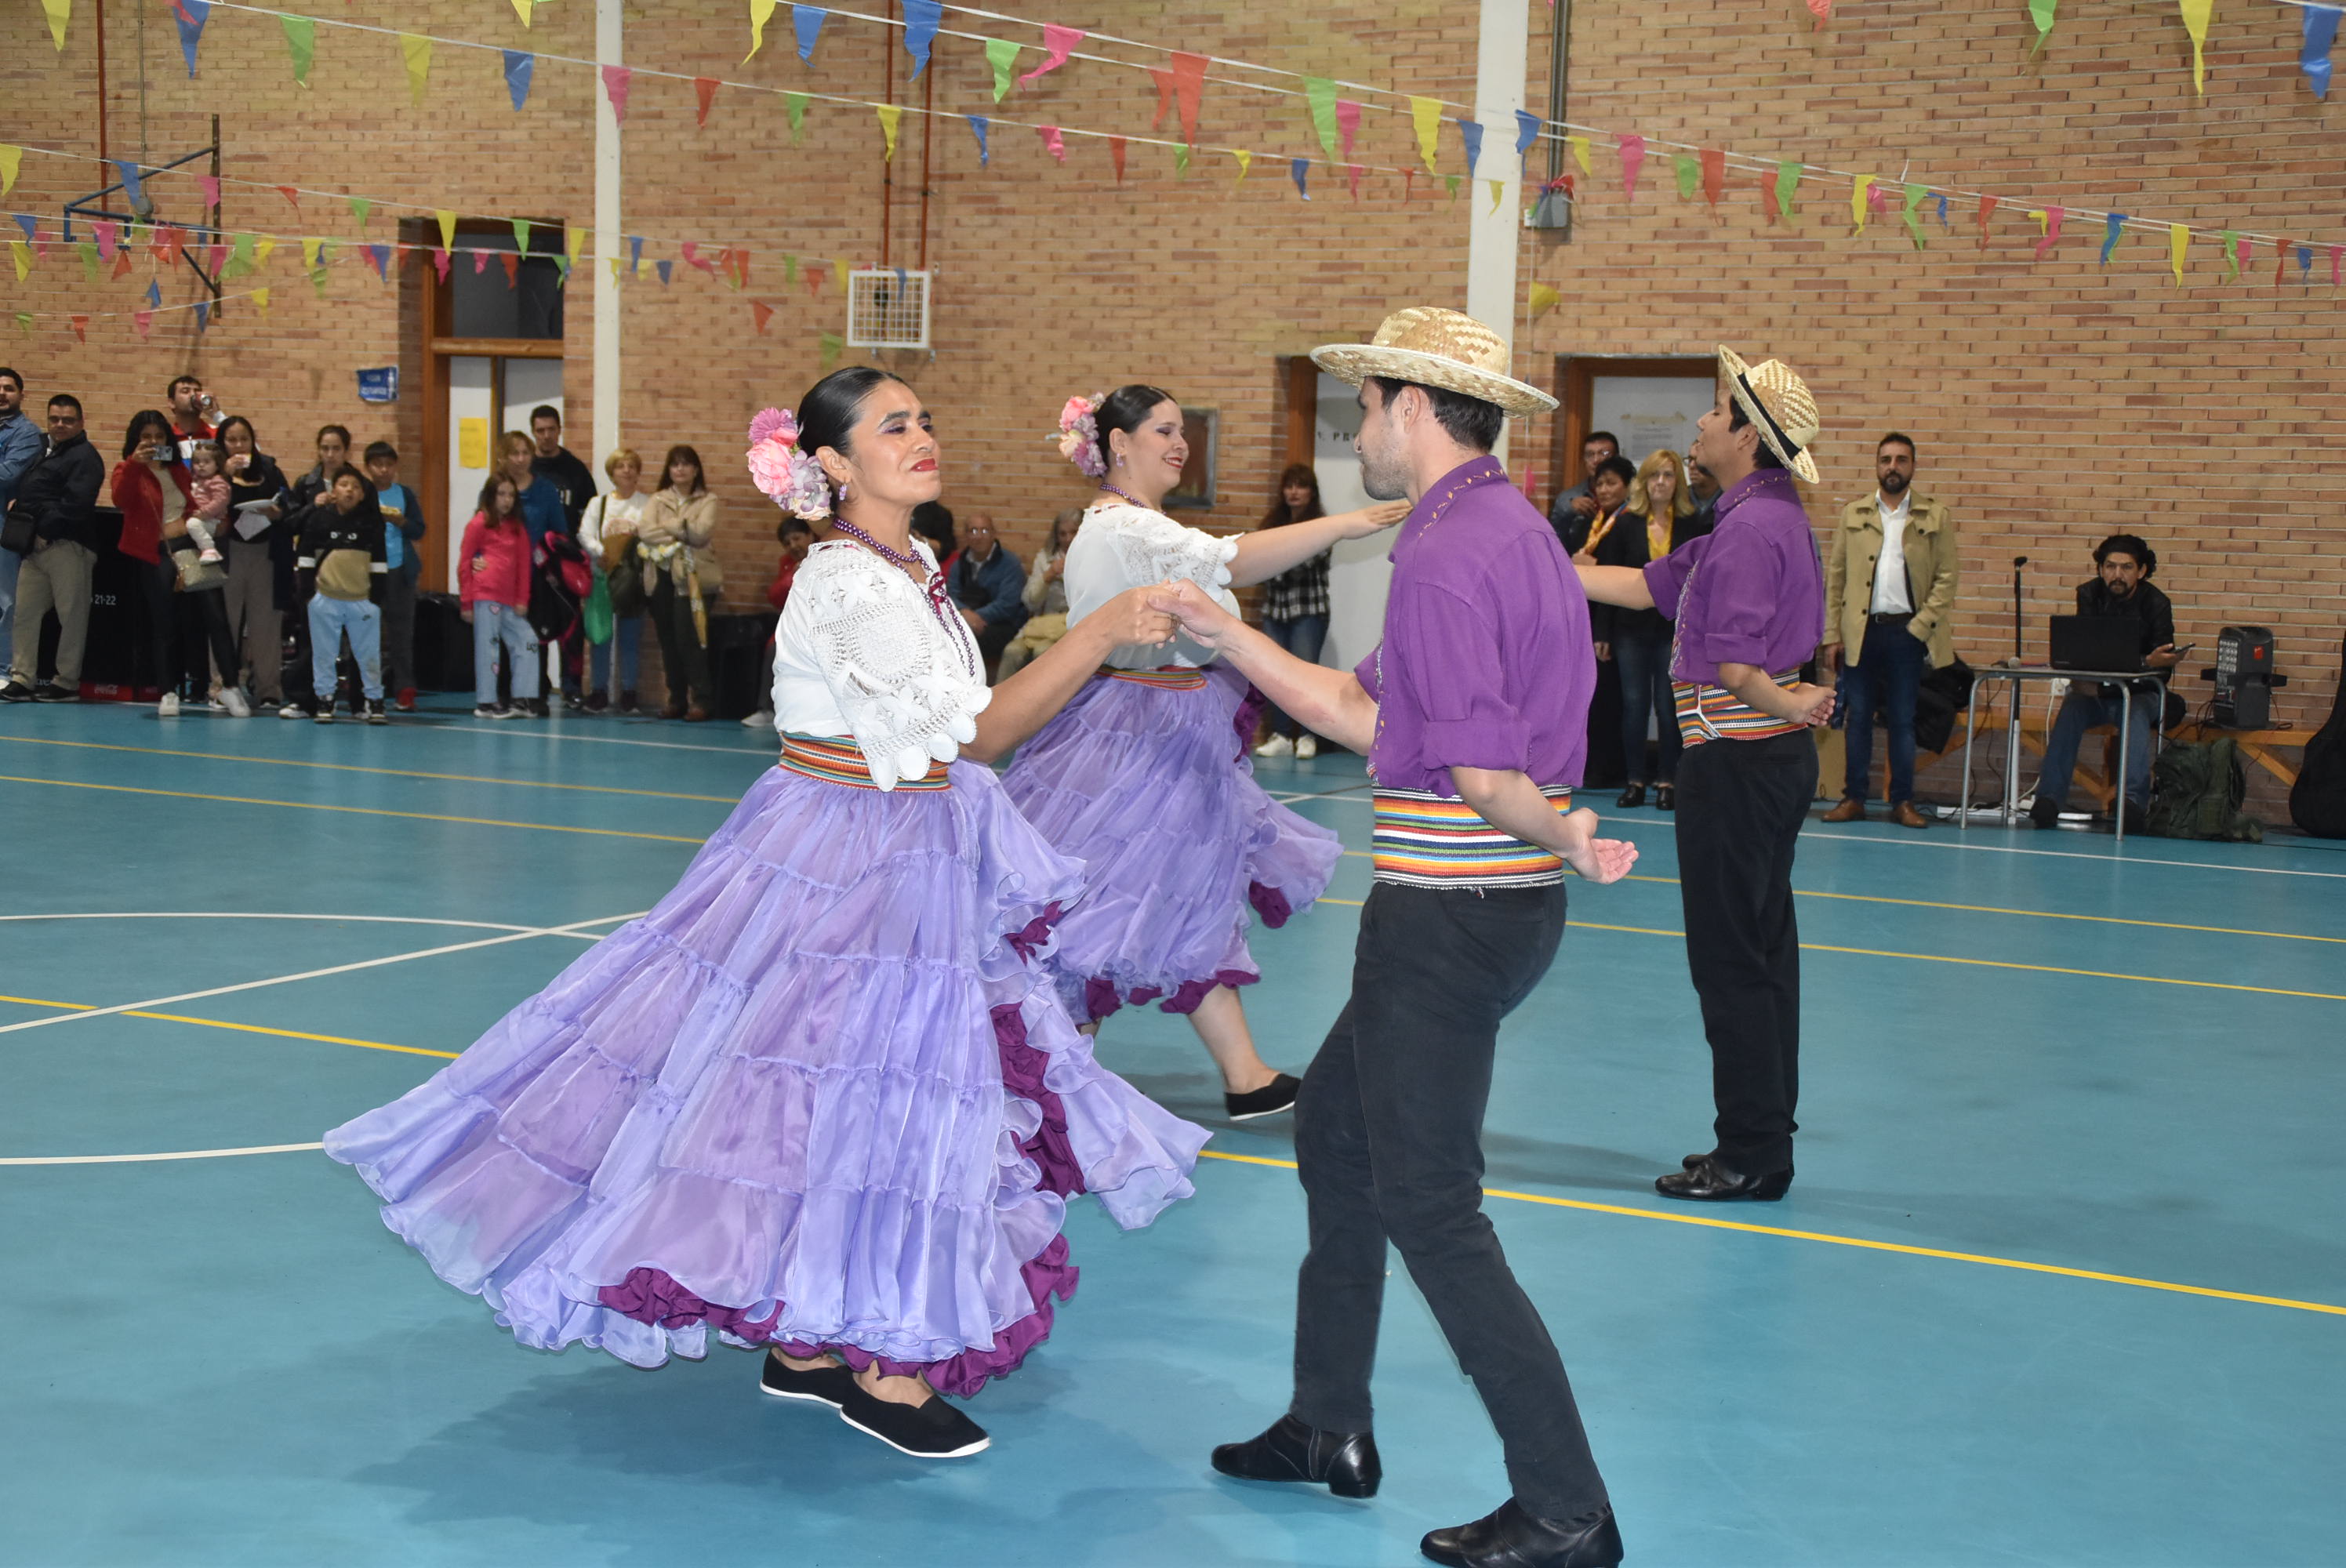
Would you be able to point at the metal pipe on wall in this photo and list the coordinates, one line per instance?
(1493, 234)
(610, 44)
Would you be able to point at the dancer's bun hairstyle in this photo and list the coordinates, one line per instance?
(1125, 409)
(827, 413)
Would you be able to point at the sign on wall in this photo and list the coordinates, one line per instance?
(378, 385)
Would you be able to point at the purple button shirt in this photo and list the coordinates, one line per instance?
(1486, 660)
(1752, 591)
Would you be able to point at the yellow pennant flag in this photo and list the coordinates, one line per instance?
(760, 13)
(1246, 162)
(1498, 190)
(260, 300)
(1544, 299)
(447, 229)
(417, 53)
(890, 116)
(261, 253)
(309, 248)
(58, 10)
(840, 271)
(22, 254)
(618, 265)
(11, 158)
(2195, 22)
(1857, 201)
(2179, 240)
(2044, 221)
(522, 9)
(1426, 115)
(574, 240)
(1579, 146)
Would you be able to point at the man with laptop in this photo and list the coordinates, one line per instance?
(2123, 623)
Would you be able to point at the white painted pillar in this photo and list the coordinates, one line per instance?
(609, 49)
(1493, 239)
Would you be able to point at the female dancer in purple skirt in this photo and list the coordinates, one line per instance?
(823, 1098)
(1144, 778)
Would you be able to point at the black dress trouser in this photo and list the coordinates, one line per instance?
(1741, 804)
(1389, 1136)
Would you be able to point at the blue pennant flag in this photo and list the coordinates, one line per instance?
(519, 64)
(900, 282)
(808, 20)
(1528, 130)
(663, 269)
(28, 223)
(921, 18)
(1301, 169)
(133, 186)
(635, 252)
(2305, 258)
(154, 294)
(2320, 31)
(191, 16)
(1943, 222)
(2112, 225)
(1472, 133)
(977, 125)
(203, 314)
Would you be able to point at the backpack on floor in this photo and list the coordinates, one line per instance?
(2197, 791)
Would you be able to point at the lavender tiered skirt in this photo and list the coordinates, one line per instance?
(822, 1096)
(1152, 789)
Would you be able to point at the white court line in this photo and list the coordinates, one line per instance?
(493, 726)
(246, 915)
(573, 928)
(141, 1159)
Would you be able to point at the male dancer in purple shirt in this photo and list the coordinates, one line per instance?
(1473, 713)
(1748, 601)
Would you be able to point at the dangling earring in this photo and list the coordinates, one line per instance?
(842, 490)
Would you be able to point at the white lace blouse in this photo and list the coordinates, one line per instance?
(1122, 546)
(860, 655)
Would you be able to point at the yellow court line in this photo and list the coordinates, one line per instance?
(354, 768)
(355, 811)
(1707, 1223)
(239, 1028)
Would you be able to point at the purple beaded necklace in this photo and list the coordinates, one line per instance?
(933, 590)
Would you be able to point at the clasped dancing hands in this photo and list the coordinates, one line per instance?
(1139, 615)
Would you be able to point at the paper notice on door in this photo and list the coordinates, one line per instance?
(471, 443)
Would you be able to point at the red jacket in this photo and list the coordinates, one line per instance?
(136, 491)
(495, 562)
(778, 591)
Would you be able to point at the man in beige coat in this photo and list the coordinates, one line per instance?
(1890, 591)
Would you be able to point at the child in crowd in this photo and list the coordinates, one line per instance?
(492, 573)
(342, 545)
(402, 538)
(207, 498)
(796, 535)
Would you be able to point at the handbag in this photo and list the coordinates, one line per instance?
(598, 611)
(623, 578)
(710, 574)
(196, 575)
(19, 532)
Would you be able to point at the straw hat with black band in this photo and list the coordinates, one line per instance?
(1778, 403)
(1437, 348)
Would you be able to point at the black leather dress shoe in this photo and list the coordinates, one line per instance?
(1346, 1462)
(1666, 798)
(1515, 1538)
(1635, 795)
(1706, 1180)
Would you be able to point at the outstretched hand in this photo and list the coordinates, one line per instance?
(1374, 518)
(1811, 704)
(1199, 616)
(1134, 616)
(1594, 859)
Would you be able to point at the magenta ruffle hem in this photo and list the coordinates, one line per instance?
(1152, 789)
(824, 1097)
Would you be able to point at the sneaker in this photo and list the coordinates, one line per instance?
(375, 713)
(1273, 1097)
(208, 557)
(762, 719)
(534, 708)
(931, 1430)
(820, 1385)
(169, 707)
(232, 697)
(510, 710)
(599, 702)
(325, 714)
(406, 703)
(1307, 746)
(573, 703)
(15, 691)
(490, 711)
(50, 691)
(293, 710)
(628, 702)
(1277, 745)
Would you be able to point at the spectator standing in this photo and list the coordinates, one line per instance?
(1045, 597)
(155, 492)
(1890, 593)
(1572, 512)
(1295, 606)
(492, 573)
(680, 577)
(796, 536)
(572, 481)
(403, 527)
(541, 509)
(307, 493)
(342, 545)
(607, 532)
(259, 567)
(194, 414)
(1658, 516)
(20, 447)
(989, 585)
(2121, 587)
(52, 524)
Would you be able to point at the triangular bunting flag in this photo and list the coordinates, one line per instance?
(977, 128)
(522, 8)
(807, 20)
(1498, 192)
(1319, 97)
(520, 66)
(1188, 90)
(1987, 205)
(795, 105)
(1914, 195)
(1471, 133)
(1425, 116)
(833, 344)
(310, 250)
(1527, 131)
(87, 250)
(2235, 250)
(417, 55)
(760, 13)
(480, 262)
(635, 253)
(1348, 124)
(107, 232)
(663, 268)
(512, 268)
(1544, 299)
(81, 323)
(190, 16)
(921, 19)
(704, 92)
(1057, 41)
(260, 300)
(154, 293)
(789, 270)
(440, 264)
(203, 314)
(1714, 173)
(1246, 162)
(2113, 226)
(1180, 159)
(359, 208)
(1003, 55)
(291, 194)
(1450, 183)
(134, 184)
(21, 255)
(447, 219)
(1299, 170)
(121, 263)
(614, 87)
(2053, 216)
(2195, 22)
(814, 278)
(1633, 158)
(2179, 240)
(1857, 203)
(380, 256)
(760, 313)
(1115, 156)
(208, 184)
(1053, 142)
(1688, 175)
(690, 251)
(301, 44)
(241, 258)
(2041, 13)
(574, 241)
(1579, 146)
(521, 234)
(2313, 57)
(890, 116)
(59, 13)
(142, 321)
(12, 159)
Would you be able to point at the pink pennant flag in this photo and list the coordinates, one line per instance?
(2337, 256)
(440, 264)
(41, 245)
(2280, 260)
(142, 320)
(1821, 10)
(1348, 123)
(480, 262)
(615, 86)
(107, 231)
(1056, 42)
(815, 274)
(291, 194)
(209, 185)
(215, 257)
(1053, 142)
(1877, 199)
(2053, 216)
(1353, 172)
(1115, 156)
(1633, 158)
(690, 251)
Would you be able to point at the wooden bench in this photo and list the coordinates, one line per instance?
(2098, 782)
(2255, 744)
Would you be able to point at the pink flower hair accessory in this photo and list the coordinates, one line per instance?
(790, 476)
(1079, 434)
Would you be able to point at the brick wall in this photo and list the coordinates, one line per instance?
(2054, 401)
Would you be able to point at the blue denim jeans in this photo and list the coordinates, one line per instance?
(2081, 711)
(1302, 637)
(1886, 679)
(494, 623)
(627, 635)
(1643, 657)
(329, 618)
(9, 564)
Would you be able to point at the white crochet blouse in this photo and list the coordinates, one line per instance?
(1122, 546)
(860, 655)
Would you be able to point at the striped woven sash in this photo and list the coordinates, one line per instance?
(1427, 841)
(1714, 713)
(840, 762)
(1172, 678)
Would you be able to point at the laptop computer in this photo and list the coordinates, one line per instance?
(2111, 645)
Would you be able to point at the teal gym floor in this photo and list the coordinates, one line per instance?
(2061, 1281)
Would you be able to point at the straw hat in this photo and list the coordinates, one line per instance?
(1436, 348)
(1778, 403)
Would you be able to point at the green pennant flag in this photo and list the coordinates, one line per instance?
(833, 343)
(1450, 184)
(87, 250)
(361, 205)
(1180, 159)
(1788, 180)
(318, 280)
(1689, 174)
(790, 270)
(1320, 93)
(2231, 254)
(796, 104)
(1914, 195)
(240, 260)
(1003, 55)
(2041, 13)
(24, 321)
(521, 234)
(301, 43)
(562, 268)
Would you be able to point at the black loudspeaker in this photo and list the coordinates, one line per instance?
(444, 644)
(2244, 678)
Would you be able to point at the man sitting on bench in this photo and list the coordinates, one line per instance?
(2122, 588)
